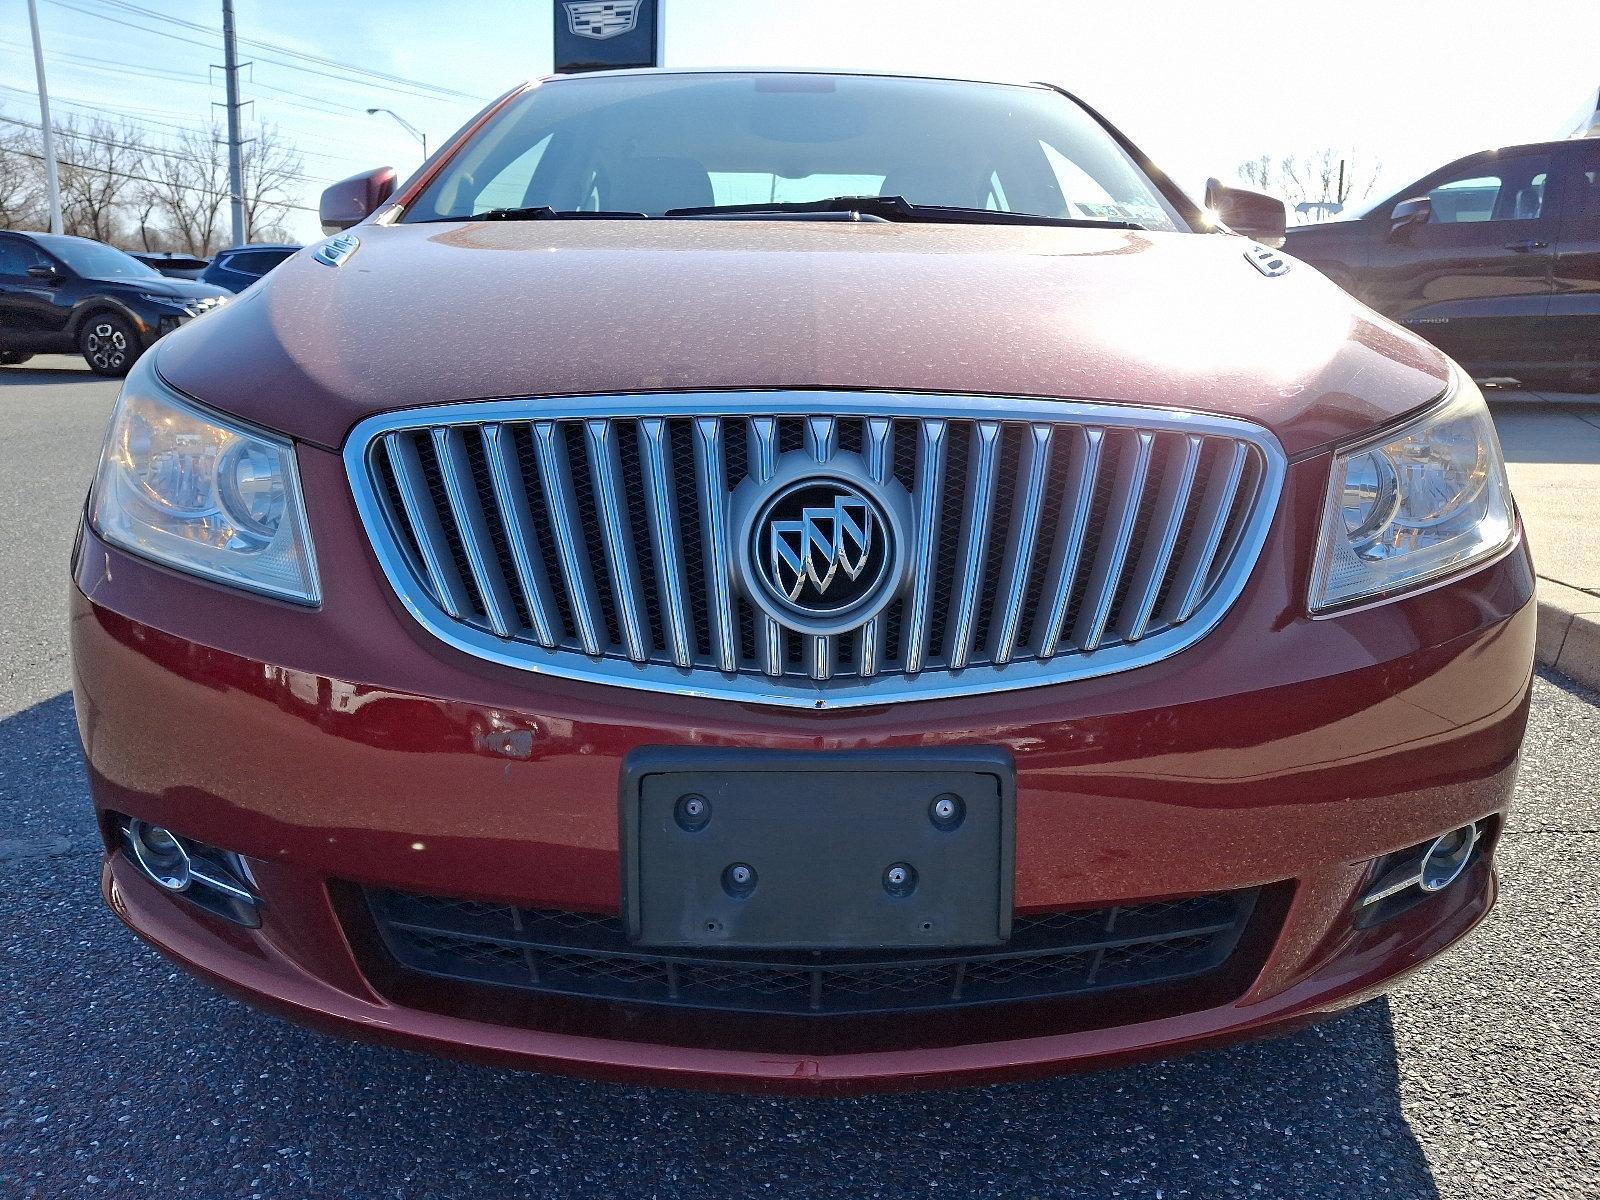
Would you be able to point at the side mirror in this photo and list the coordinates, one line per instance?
(353, 200)
(1408, 214)
(48, 273)
(1254, 215)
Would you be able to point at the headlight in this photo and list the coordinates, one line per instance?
(169, 301)
(200, 493)
(1415, 504)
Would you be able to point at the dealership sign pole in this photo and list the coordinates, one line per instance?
(603, 35)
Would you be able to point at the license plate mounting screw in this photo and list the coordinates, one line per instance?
(739, 879)
(899, 879)
(947, 811)
(692, 812)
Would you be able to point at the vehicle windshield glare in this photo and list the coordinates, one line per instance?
(657, 142)
(96, 260)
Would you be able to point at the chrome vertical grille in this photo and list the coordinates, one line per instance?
(591, 538)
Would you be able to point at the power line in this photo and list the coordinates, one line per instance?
(95, 105)
(121, 66)
(276, 48)
(142, 178)
(97, 109)
(144, 148)
(372, 79)
(84, 62)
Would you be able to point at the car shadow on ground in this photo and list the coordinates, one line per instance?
(1316, 1114)
(38, 376)
(1549, 433)
(146, 1073)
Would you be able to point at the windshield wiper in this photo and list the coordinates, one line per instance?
(897, 208)
(538, 212)
(543, 212)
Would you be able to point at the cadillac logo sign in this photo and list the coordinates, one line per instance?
(601, 19)
(820, 547)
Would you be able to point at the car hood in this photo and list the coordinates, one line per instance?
(430, 313)
(182, 289)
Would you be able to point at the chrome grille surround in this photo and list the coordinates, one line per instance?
(588, 537)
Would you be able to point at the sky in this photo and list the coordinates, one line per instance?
(1200, 88)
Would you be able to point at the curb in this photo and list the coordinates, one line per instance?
(1569, 632)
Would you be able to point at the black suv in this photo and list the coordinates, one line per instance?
(238, 268)
(59, 294)
(1495, 258)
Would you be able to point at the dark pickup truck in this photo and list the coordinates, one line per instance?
(1495, 258)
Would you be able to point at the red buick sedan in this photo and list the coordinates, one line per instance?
(799, 582)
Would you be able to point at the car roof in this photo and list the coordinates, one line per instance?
(55, 239)
(291, 246)
(1522, 148)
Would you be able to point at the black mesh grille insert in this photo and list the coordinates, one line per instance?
(1049, 955)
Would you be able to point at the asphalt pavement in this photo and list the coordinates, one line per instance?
(120, 1076)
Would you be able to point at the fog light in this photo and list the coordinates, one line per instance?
(1444, 861)
(209, 877)
(1401, 879)
(160, 855)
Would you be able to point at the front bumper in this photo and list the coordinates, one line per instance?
(343, 747)
(155, 321)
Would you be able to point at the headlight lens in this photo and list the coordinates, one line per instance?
(169, 301)
(199, 493)
(1420, 503)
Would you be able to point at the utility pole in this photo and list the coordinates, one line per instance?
(51, 177)
(230, 60)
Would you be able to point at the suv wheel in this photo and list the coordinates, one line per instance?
(109, 344)
(13, 358)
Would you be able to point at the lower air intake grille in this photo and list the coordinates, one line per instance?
(1049, 956)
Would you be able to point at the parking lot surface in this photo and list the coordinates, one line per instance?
(121, 1076)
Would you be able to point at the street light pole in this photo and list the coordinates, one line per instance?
(406, 125)
(49, 141)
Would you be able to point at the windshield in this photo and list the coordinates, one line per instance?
(650, 143)
(96, 260)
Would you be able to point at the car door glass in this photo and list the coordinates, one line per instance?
(1588, 199)
(253, 263)
(1515, 192)
(17, 256)
(1525, 203)
(1464, 200)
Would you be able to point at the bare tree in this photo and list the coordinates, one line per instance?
(1260, 173)
(99, 167)
(119, 186)
(1316, 184)
(186, 186)
(22, 198)
(271, 168)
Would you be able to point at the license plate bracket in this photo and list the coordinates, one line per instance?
(820, 833)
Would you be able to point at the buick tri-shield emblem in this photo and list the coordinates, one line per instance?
(601, 19)
(828, 542)
(820, 546)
